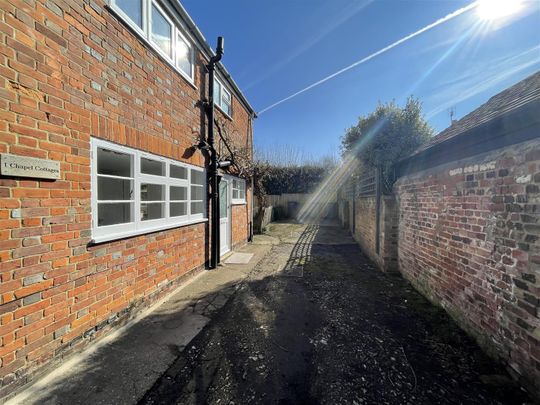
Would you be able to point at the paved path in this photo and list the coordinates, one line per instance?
(314, 322)
(309, 320)
(123, 366)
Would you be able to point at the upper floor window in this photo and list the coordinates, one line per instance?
(133, 9)
(184, 55)
(222, 97)
(151, 21)
(238, 191)
(161, 31)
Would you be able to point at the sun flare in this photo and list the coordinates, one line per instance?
(493, 9)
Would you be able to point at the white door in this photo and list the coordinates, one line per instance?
(224, 215)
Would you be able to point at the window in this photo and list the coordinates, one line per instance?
(197, 192)
(131, 9)
(115, 181)
(238, 191)
(222, 98)
(178, 191)
(153, 184)
(135, 192)
(161, 31)
(184, 55)
(157, 28)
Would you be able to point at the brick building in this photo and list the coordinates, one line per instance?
(108, 98)
(469, 234)
(463, 225)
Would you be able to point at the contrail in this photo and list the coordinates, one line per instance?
(373, 55)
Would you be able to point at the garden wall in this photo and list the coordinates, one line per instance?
(469, 239)
(365, 230)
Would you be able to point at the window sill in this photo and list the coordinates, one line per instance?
(238, 202)
(124, 235)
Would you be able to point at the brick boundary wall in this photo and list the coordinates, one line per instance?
(469, 240)
(69, 71)
(365, 229)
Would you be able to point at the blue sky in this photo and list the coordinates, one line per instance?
(274, 48)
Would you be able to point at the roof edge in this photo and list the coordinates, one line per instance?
(210, 52)
(512, 127)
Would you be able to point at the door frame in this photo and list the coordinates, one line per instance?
(228, 180)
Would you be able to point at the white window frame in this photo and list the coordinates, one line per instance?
(240, 199)
(172, 57)
(190, 75)
(175, 182)
(219, 103)
(146, 33)
(129, 21)
(137, 226)
(201, 215)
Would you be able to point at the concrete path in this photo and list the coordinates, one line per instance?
(309, 320)
(316, 323)
(121, 368)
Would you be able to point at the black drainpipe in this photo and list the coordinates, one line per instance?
(213, 178)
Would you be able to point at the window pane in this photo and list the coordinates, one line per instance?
(226, 107)
(242, 190)
(197, 177)
(235, 194)
(226, 97)
(152, 211)
(178, 193)
(113, 163)
(197, 193)
(149, 166)
(152, 192)
(178, 172)
(197, 207)
(183, 55)
(114, 213)
(223, 207)
(161, 31)
(235, 183)
(178, 209)
(133, 9)
(217, 93)
(114, 189)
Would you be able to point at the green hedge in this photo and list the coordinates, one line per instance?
(299, 179)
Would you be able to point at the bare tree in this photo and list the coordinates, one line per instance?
(286, 155)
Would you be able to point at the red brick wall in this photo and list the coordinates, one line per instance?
(68, 71)
(240, 223)
(365, 224)
(365, 232)
(469, 239)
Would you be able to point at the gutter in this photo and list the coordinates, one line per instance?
(209, 53)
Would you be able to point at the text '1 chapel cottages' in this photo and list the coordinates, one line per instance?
(107, 167)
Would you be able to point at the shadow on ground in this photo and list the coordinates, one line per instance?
(315, 322)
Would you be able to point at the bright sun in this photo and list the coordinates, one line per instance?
(492, 9)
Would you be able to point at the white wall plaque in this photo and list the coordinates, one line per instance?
(22, 166)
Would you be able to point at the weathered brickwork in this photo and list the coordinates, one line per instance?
(365, 231)
(240, 223)
(469, 239)
(365, 223)
(69, 71)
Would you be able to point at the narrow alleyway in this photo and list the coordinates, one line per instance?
(315, 322)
